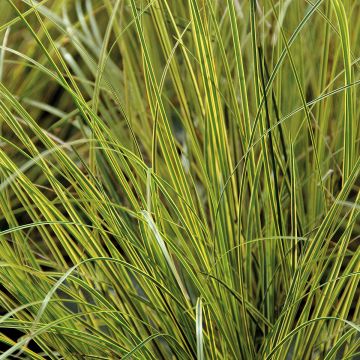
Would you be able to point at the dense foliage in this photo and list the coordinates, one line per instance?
(179, 179)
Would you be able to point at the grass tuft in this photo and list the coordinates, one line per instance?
(179, 179)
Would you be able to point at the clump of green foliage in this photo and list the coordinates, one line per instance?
(179, 179)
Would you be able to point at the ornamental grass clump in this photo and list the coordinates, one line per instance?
(179, 179)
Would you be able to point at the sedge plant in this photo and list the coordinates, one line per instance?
(179, 179)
